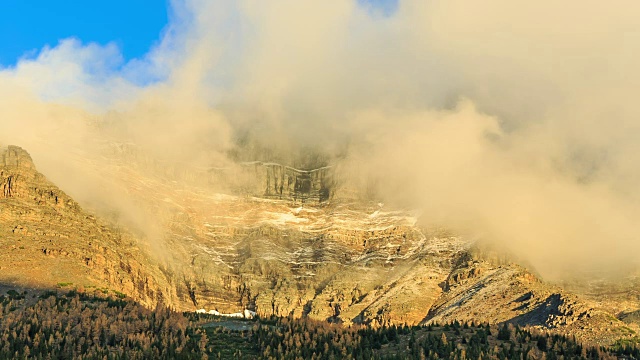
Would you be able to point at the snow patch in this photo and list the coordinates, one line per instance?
(284, 218)
(245, 314)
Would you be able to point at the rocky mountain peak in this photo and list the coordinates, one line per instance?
(16, 156)
(19, 179)
(15, 163)
(49, 241)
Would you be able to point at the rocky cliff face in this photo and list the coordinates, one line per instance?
(286, 183)
(479, 289)
(334, 260)
(48, 240)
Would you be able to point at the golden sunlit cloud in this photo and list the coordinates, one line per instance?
(511, 122)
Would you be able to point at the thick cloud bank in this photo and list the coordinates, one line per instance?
(514, 122)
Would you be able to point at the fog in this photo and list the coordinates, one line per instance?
(509, 122)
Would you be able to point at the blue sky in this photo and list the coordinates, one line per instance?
(387, 7)
(28, 25)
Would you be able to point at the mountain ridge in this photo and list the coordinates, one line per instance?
(340, 262)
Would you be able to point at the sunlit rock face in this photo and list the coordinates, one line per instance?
(287, 243)
(274, 240)
(287, 183)
(49, 240)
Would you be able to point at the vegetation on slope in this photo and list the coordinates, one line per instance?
(80, 326)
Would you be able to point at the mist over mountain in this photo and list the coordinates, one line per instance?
(508, 123)
(432, 162)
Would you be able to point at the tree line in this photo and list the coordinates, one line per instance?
(80, 326)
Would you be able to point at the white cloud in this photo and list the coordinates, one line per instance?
(541, 155)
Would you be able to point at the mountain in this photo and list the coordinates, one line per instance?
(51, 241)
(283, 243)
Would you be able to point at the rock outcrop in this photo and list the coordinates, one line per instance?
(48, 240)
(273, 254)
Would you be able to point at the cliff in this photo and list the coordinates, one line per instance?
(284, 252)
(48, 239)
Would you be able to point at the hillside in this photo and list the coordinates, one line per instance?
(338, 260)
(77, 325)
(51, 241)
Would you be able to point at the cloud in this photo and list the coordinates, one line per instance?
(511, 122)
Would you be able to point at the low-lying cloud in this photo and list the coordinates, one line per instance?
(507, 121)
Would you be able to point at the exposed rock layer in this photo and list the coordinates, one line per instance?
(335, 260)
